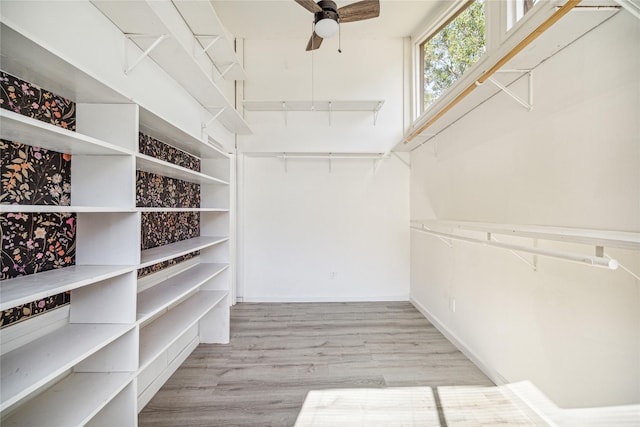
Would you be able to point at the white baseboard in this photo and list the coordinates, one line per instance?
(460, 345)
(325, 299)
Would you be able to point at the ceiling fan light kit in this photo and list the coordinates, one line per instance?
(328, 17)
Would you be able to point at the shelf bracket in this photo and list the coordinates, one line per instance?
(284, 157)
(375, 113)
(226, 69)
(201, 51)
(206, 124)
(528, 104)
(447, 242)
(330, 111)
(147, 52)
(284, 112)
(515, 254)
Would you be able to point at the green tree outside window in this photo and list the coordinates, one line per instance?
(452, 50)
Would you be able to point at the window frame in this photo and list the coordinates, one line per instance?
(496, 35)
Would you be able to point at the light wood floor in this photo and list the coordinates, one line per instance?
(278, 352)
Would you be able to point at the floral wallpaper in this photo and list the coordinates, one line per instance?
(34, 176)
(30, 100)
(33, 243)
(158, 149)
(153, 190)
(162, 228)
(165, 264)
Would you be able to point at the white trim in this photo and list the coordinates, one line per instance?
(326, 299)
(459, 344)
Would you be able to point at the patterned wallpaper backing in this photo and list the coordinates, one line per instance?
(35, 242)
(153, 190)
(30, 100)
(158, 149)
(157, 191)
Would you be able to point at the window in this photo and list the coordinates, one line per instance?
(516, 9)
(451, 50)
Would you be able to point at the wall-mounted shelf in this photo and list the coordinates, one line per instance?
(163, 253)
(16, 127)
(24, 289)
(159, 30)
(74, 401)
(164, 130)
(153, 165)
(171, 290)
(212, 37)
(446, 231)
(611, 239)
(156, 337)
(312, 106)
(25, 369)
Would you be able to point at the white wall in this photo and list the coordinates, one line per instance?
(573, 330)
(281, 70)
(302, 224)
(298, 227)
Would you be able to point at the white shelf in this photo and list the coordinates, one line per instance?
(32, 62)
(19, 128)
(370, 106)
(71, 402)
(165, 131)
(156, 337)
(31, 366)
(62, 209)
(162, 295)
(144, 209)
(203, 20)
(160, 167)
(163, 253)
(24, 289)
(175, 54)
(610, 239)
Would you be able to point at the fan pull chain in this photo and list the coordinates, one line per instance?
(312, 67)
(339, 38)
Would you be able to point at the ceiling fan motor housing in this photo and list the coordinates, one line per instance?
(329, 11)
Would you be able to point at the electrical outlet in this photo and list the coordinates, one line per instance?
(452, 305)
(332, 275)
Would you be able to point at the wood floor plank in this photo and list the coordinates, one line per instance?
(280, 351)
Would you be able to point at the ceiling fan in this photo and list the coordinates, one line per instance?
(328, 16)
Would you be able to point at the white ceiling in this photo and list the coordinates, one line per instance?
(284, 19)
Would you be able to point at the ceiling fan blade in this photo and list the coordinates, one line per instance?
(365, 9)
(310, 5)
(314, 42)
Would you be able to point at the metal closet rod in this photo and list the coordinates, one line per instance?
(596, 261)
(566, 8)
(330, 156)
(333, 156)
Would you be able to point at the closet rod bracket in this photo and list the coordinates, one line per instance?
(528, 104)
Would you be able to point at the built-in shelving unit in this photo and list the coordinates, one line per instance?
(160, 31)
(123, 335)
